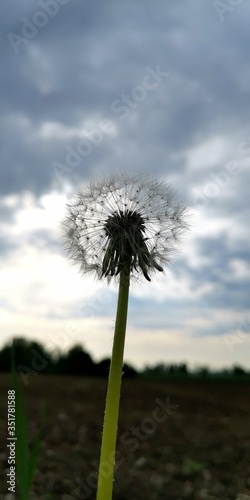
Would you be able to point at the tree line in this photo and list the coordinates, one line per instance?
(31, 356)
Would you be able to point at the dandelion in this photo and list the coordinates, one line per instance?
(123, 223)
(121, 228)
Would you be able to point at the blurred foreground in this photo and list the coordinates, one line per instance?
(183, 439)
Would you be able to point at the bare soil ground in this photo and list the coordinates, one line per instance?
(198, 450)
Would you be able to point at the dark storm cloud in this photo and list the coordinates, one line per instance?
(232, 200)
(215, 266)
(89, 54)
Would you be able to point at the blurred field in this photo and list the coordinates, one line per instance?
(200, 450)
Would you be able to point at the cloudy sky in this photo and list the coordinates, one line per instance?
(90, 88)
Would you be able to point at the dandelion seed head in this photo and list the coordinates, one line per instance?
(123, 222)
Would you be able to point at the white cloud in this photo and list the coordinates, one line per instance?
(207, 154)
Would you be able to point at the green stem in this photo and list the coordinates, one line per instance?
(107, 459)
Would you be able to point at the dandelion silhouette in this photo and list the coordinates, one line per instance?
(121, 228)
(123, 220)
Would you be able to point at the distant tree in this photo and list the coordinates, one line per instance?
(5, 359)
(30, 355)
(102, 368)
(162, 370)
(238, 371)
(172, 369)
(76, 362)
(158, 369)
(203, 371)
(182, 369)
(129, 371)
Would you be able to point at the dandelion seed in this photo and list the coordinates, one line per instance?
(123, 222)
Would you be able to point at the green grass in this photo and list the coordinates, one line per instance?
(26, 459)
